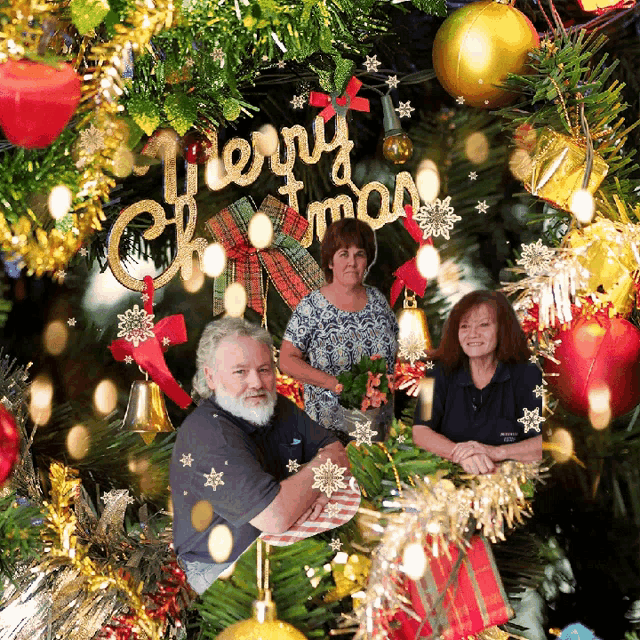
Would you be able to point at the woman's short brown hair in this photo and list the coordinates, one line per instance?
(512, 341)
(343, 234)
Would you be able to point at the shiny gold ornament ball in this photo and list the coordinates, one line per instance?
(477, 46)
(253, 630)
(397, 148)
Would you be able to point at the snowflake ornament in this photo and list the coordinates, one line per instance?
(411, 348)
(128, 359)
(371, 63)
(473, 175)
(429, 364)
(460, 99)
(83, 251)
(218, 55)
(531, 420)
(393, 82)
(533, 359)
(115, 495)
(436, 218)
(60, 274)
(166, 341)
(71, 322)
(482, 206)
(136, 325)
(214, 480)
(281, 64)
(298, 102)
(145, 297)
(293, 466)
(328, 477)
(404, 109)
(539, 391)
(186, 459)
(332, 509)
(363, 433)
(92, 140)
(401, 438)
(535, 258)
(335, 544)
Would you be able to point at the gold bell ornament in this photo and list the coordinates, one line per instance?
(146, 412)
(413, 337)
(264, 624)
(396, 146)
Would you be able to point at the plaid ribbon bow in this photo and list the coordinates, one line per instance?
(332, 104)
(290, 266)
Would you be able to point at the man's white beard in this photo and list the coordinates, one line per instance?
(237, 406)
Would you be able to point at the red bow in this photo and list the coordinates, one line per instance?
(149, 352)
(347, 101)
(408, 275)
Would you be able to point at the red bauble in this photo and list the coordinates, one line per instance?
(9, 443)
(595, 353)
(196, 148)
(36, 101)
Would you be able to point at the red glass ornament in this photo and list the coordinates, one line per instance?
(9, 443)
(196, 148)
(593, 353)
(36, 101)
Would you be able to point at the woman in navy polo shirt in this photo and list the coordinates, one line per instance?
(487, 400)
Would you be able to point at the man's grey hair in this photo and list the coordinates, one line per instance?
(214, 333)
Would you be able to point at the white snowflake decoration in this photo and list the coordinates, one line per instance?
(128, 359)
(473, 175)
(92, 140)
(535, 258)
(533, 359)
(115, 495)
(335, 544)
(71, 322)
(328, 477)
(371, 63)
(539, 391)
(145, 297)
(363, 433)
(460, 99)
(531, 420)
(482, 206)
(429, 364)
(436, 218)
(60, 274)
(214, 480)
(332, 509)
(401, 438)
(186, 459)
(393, 82)
(281, 64)
(404, 109)
(166, 341)
(83, 251)
(293, 466)
(136, 325)
(218, 55)
(298, 102)
(411, 348)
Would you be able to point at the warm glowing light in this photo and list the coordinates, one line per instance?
(428, 180)
(599, 406)
(105, 396)
(41, 391)
(215, 174)
(414, 561)
(78, 441)
(220, 543)
(476, 147)
(561, 445)
(214, 260)
(60, 198)
(428, 261)
(260, 231)
(55, 337)
(122, 162)
(267, 140)
(201, 515)
(195, 282)
(520, 164)
(138, 465)
(235, 300)
(582, 206)
(425, 397)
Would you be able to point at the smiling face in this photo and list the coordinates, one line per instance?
(349, 266)
(478, 331)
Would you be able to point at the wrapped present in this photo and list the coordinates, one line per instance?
(558, 167)
(452, 607)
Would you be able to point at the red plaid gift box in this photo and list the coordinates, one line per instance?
(474, 600)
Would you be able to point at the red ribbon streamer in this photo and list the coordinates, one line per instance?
(408, 275)
(149, 355)
(349, 100)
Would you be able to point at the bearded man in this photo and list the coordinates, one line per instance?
(243, 458)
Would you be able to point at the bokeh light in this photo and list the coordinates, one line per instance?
(105, 396)
(78, 441)
(59, 201)
(235, 300)
(476, 147)
(428, 180)
(214, 260)
(561, 445)
(220, 543)
(195, 282)
(414, 561)
(425, 397)
(41, 399)
(520, 164)
(428, 261)
(267, 140)
(138, 465)
(55, 337)
(583, 206)
(260, 231)
(201, 515)
(122, 162)
(599, 406)
(215, 174)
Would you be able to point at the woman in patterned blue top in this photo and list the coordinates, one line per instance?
(333, 327)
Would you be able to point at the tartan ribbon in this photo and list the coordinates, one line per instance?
(340, 105)
(149, 354)
(288, 264)
(408, 275)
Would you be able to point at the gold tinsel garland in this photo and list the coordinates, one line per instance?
(44, 251)
(436, 513)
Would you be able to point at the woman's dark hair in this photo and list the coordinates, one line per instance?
(512, 342)
(343, 234)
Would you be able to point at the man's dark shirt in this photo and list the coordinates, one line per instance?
(461, 412)
(243, 465)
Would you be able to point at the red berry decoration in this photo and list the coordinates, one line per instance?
(196, 148)
(36, 101)
(9, 443)
(594, 353)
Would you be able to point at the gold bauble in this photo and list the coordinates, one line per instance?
(477, 46)
(397, 148)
